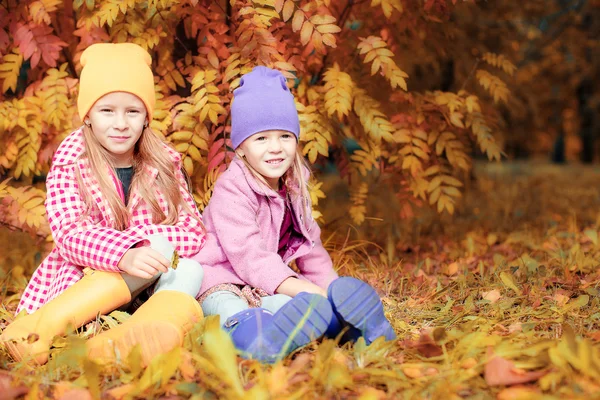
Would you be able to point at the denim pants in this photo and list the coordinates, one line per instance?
(226, 304)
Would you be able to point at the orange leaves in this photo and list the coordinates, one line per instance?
(500, 61)
(36, 41)
(338, 95)
(358, 197)
(40, 10)
(376, 51)
(24, 206)
(10, 69)
(454, 149)
(415, 150)
(317, 30)
(484, 137)
(494, 85)
(443, 190)
(373, 120)
(388, 6)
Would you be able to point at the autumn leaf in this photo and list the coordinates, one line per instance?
(499, 371)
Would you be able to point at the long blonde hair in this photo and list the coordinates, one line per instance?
(149, 151)
(293, 179)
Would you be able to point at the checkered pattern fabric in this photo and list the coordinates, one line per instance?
(86, 238)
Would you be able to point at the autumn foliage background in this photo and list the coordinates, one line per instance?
(401, 104)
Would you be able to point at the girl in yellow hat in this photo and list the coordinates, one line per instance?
(120, 212)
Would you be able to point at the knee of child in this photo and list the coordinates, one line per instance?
(190, 269)
(161, 244)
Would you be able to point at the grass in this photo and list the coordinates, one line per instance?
(498, 301)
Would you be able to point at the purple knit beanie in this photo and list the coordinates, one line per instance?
(262, 102)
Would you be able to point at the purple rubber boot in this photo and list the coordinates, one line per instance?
(268, 338)
(357, 304)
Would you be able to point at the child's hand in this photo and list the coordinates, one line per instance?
(293, 286)
(143, 262)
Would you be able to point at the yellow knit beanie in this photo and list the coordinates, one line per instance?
(115, 67)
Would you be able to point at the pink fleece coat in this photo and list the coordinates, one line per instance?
(86, 237)
(243, 221)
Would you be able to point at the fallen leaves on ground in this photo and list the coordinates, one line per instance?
(500, 301)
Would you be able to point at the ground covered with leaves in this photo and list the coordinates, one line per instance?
(498, 301)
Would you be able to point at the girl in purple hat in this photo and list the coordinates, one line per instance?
(258, 221)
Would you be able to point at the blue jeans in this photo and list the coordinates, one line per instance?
(225, 304)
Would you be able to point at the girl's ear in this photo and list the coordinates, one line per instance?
(240, 152)
(86, 121)
(145, 124)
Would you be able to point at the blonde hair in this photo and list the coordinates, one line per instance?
(149, 151)
(293, 179)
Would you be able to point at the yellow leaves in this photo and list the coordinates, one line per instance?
(577, 353)
(358, 196)
(206, 101)
(222, 353)
(316, 132)
(169, 72)
(509, 282)
(449, 143)
(366, 158)
(499, 61)
(26, 207)
(338, 95)
(160, 370)
(374, 121)
(484, 137)
(40, 10)
(318, 29)
(10, 69)
(494, 85)
(315, 194)
(109, 11)
(376, 51)
(443, 191)
(53, 92)
(387, 6)
(415, 150)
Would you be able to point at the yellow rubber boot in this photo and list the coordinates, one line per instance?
(158, 326)
(97, 292)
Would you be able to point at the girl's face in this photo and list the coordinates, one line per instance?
(270, 153)
(117, 121)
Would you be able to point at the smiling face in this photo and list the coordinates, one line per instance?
(270, 153)
(117, 121)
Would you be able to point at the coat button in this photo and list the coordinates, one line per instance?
(313, 243)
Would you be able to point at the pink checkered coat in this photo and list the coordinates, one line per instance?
(90, 240)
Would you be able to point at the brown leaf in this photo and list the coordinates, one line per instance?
(426, 346)
(500, 371)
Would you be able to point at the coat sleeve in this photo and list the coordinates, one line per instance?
(316, 266)
(233, 214)
(77, 238)
(188, 234)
